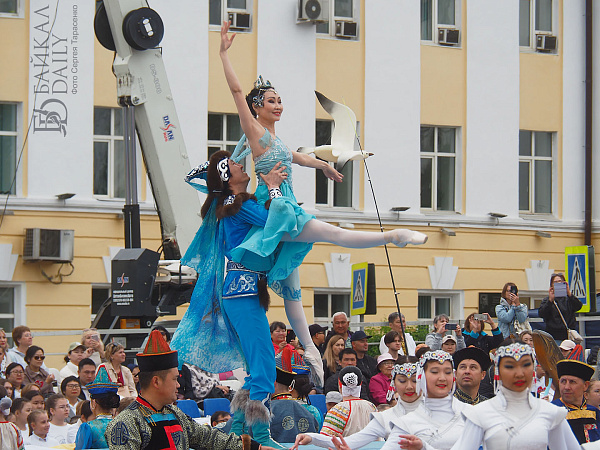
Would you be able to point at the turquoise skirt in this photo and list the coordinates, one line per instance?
(262, 249)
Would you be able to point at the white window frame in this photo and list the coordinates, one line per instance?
(329, 292)
(110, 140)
(531, 160)
(331, 184)
(435, 25)
(221, 143)
(225, 16)
(457, 303)
(19, 316)
(531, 48)
(457, 172)
(18, 145)
(332, 19)
(20, 14)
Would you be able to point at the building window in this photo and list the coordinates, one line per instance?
(327, 304)
(109, 153)
(343, 20)
(329, 192)
(436, 15)
(489, 300)
(535, 172)
(8, 147)
(238, 12)
(438, 168)
(430, 305)
(224, 132)
(10, 8)
(535, 17)
(7, 309)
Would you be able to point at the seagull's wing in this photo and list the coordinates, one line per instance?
(344, 134)
(306, 150)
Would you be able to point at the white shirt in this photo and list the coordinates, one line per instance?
(438, 422)
(516, 420)
(70, 370)
(72, 433)
(59, 433)
(34, 439)
(378, 427)
(411, 345)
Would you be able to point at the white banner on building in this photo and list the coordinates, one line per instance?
(61, 93)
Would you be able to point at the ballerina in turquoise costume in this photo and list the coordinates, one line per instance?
(258, 113)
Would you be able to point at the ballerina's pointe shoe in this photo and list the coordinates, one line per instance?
(402, 237)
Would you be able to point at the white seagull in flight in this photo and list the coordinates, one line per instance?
(343, 137)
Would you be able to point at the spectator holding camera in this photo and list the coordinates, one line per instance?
(559, 301)
(511, 313)
(475, 336)
(95, 348)
(434, 339)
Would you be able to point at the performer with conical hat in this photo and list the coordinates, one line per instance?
(573, 380)
(152, 421)
(104, 400)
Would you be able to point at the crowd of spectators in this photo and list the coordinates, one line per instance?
(47, 406)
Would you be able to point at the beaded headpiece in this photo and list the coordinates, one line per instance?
(515, 350)
(262, 86)
(437, 355)
(406, 369)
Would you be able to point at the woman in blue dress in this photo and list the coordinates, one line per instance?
(104, 401)
(258, 113)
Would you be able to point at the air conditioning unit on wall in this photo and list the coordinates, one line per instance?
(239, 21)
(448, 36)
(42, 244)
(345, 28)
(545, 42)
(313, 10)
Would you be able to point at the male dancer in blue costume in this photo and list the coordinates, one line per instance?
(241, 336)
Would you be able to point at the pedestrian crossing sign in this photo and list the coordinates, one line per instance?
(580, 275)
(359, 289)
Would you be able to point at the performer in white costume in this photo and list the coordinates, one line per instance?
(437, 422)
(513, 419)
(404, 379)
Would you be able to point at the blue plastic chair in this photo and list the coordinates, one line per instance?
(190, 408)
(318, 401)
(215, 404)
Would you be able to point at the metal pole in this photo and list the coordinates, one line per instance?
(131, 210)
(589, 59)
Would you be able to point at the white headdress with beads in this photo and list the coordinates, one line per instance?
(437, 355)
(515, 350)
(406, 369)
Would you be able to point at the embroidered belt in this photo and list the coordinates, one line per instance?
(241, 281)
(237, 266)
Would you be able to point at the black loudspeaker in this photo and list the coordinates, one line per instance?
(371, 290)
(133, 273)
